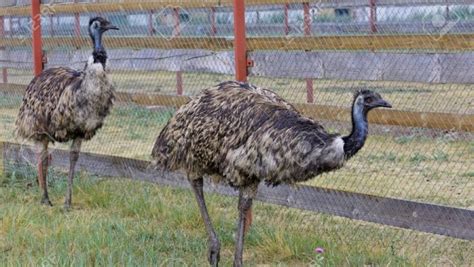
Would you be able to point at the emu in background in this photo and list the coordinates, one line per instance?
(62, 104)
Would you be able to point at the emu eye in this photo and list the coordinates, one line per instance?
(369, 100)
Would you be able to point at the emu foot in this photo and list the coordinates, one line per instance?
(214, 254)
(45, 201)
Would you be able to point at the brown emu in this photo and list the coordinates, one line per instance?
(242, 135)
(62, 104)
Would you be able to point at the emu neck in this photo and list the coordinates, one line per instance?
(96, 37)
(360, 128)
(99, 54)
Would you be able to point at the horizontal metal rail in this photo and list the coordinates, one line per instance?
(450, 42)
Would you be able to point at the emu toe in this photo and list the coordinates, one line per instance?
(214, 254)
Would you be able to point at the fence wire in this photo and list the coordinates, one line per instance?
(179, 51)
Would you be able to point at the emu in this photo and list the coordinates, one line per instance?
(241, 135)
(62, 104)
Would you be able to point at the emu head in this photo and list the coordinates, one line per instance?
(365, 100)
(99, 25)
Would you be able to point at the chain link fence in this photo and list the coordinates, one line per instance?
(315, 55)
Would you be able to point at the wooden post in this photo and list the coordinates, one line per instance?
(51, 25)
(5, 75)
(373, 16)
(10, 19)
(179, 83)
(2, 35)
(287, 25)
(3, 164)
(177, 29)
(177, 32)
(240, 46)
(307, 19)
(37, 44)
(77, 23)
(307, 32)
(151, 29)
(213, 21)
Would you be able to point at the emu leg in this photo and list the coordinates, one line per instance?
(245, 206)
(213, 241)
(43, 162)
(73, 157)
(248, 220)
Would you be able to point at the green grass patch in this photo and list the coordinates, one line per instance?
(119, 222)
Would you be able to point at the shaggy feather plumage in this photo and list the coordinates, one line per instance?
(242, 135)
(63, 104)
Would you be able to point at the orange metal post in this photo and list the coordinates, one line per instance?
(373, 16)
(240, 46)
(287, 25)
(307, 32)
(37, 44)
(2, 35)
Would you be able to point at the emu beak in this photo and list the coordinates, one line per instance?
(111, 27)
(384, 104)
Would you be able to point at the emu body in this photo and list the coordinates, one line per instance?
(242, 135)
(62, 104)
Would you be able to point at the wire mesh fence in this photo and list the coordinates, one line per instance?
(314, 55)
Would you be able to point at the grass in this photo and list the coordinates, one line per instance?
(125, 223)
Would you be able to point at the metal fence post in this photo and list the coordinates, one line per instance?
(240, 46)
(37, 42)
(373, 16)
(307, 32)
